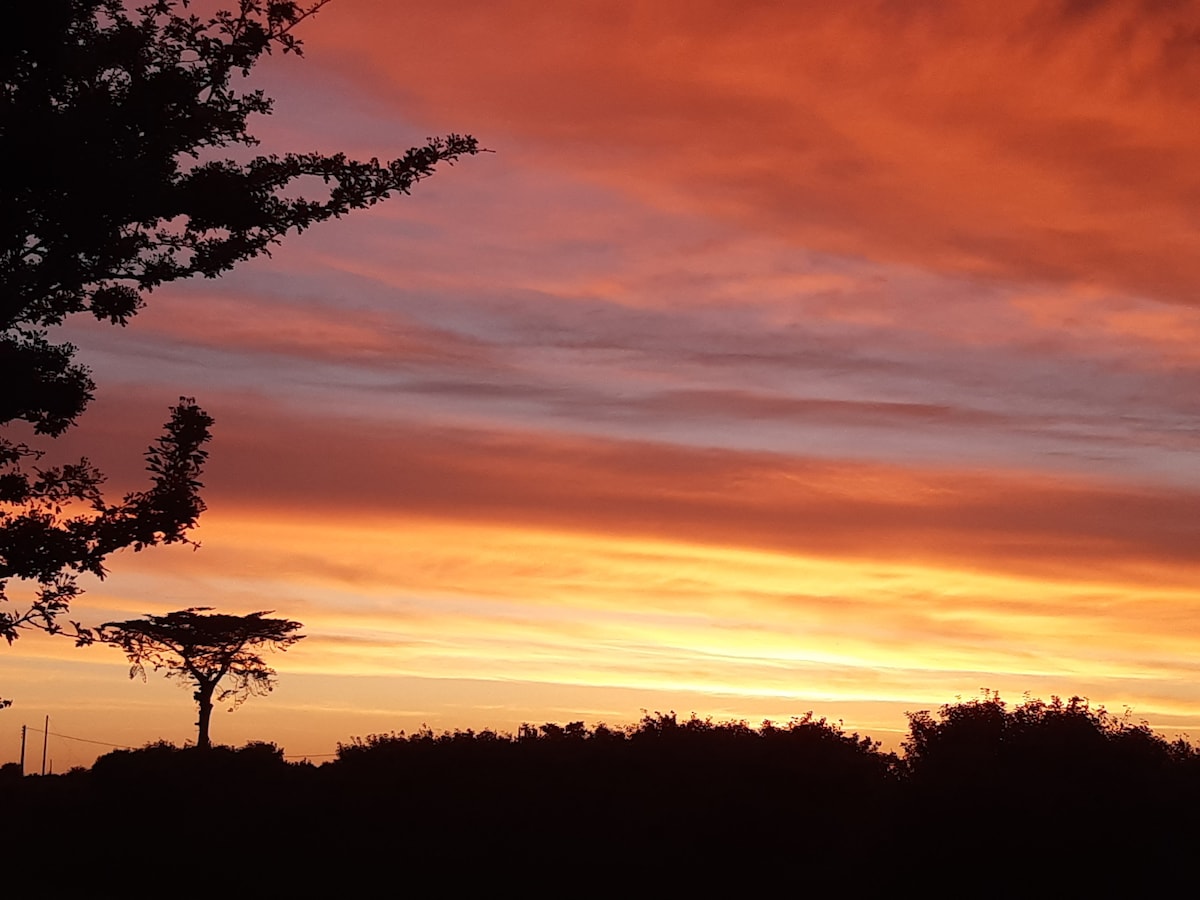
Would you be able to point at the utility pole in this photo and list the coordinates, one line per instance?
(45, 740)
(23, 727)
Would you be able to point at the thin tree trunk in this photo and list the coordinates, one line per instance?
(204, 697)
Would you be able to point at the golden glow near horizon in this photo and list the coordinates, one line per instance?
(421, 599)
(779, 359)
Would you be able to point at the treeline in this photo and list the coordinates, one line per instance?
(1058, 781)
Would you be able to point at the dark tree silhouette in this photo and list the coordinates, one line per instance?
(105, 116)
(204, 649)
(42, 541)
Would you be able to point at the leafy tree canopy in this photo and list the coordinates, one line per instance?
(204, 649)
(42, 540)
(112, 124)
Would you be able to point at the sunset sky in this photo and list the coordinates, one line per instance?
(781, 356)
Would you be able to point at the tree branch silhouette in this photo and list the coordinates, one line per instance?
(105, 115)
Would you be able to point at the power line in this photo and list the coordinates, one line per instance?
(127, 747)
(82, 740)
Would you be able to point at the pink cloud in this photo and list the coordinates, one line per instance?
(1029, 143)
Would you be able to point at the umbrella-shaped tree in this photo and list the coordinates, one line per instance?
(205, 649)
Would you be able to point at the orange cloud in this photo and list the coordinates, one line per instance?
(353, 469)
(252, 325)
(410, 597)
(1033, 142)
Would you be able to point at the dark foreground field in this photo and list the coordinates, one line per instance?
(983, 801)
